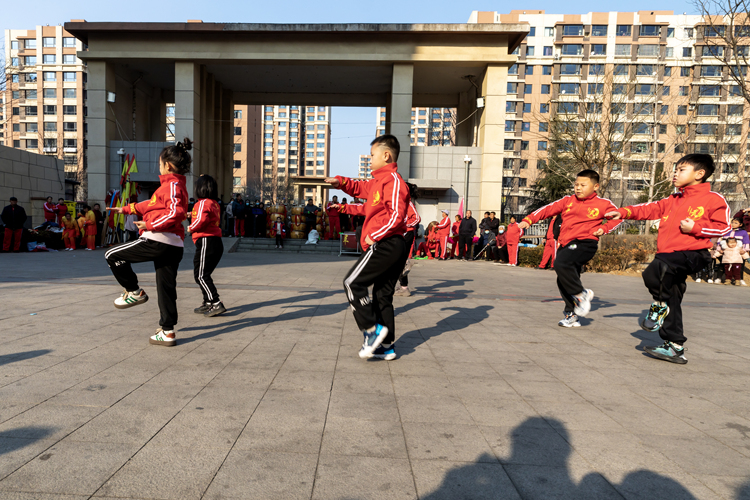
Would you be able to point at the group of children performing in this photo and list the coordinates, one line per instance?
(689, 220)
(77, 233)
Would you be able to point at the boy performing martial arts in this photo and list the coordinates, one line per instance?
(384, 248)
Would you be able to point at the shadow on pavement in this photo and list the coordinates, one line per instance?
(538, 469)
(462, 318)
(9, 442)
(21, 356)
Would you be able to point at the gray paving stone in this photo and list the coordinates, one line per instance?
(344, 477)
(440, 480)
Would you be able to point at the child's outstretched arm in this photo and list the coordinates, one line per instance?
(349, 186)
(547, 211)
(645, 211)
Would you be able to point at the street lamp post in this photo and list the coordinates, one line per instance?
(467, 162)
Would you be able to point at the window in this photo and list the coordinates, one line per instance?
(527, 87)
(513, 70)
(619, 89)
(713, 51)
(69, 59)
(33, 127)
(14, 61)
(532, 31)
(644, 89)
(668, 71)
(547, 51)
(596, 69)
(49, 76)
(524, 145)
(32, 144)
(510, 126)
(709, 90)
(567, 107)
(573, 30)
(648, 50)
(685, 71)
(650, 30)
(70, 145)
(705, 148)
(569, 49)
(49, 58)
(237, 148)
(683, 90)
(545, 88)
(621, 70)
(510, 107)
(570, 69)
(729, 168)
(569, 88)
(731, 149)
(238, 131)
(546, 70)
(641, 128)
(669, 52)
(645, 70)
(643, 108)
(31, 94)
(529, 69)
(544, 107)
(48, 41)
(594, 108)
(509, 145)
(512, 88)
(68, 126)
(29, 60)
(598, 50)
(599, 30)
(734, 110)
(543, 126)
(525, 126)
(665, 90)
(29, 43)
(639, 147)
(710, 70)
(529, 51)
(714, 31)
(14, 45)
(623, 30)
(549, 31)
(321, 127)
(238, 114)
(665, 111)
(49, 109)
(622, 49)
(69, 42)
(69, 110)
(681, 110)
(706, 129)
(708, 110)
(508, 163)
(527, 107)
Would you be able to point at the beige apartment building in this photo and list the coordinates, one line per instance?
(649, 84)
(247, 148)
(429, 126)
(365, 167)
(44, 105)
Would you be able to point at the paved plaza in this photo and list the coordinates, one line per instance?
(489, 398)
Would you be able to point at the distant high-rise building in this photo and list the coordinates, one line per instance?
(429, 126)
(365, 167)
(247, 150)
(44, 101)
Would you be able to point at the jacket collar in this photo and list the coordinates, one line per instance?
(703, 187)
(171, 178)
(589, 197)
(385, 170)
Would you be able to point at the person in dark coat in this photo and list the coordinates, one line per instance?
(466, 231)
(99, 224)
(344, 219)
(310, 215)
(14, 217)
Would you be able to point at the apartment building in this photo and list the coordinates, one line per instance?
(648, 84)
(429, 126)
(247, 147)
(365, 167)
(44, 103)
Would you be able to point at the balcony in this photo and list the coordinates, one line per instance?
(49, 149)
(66, 149)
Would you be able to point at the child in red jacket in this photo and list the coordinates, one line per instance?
(161, 241)
(384, 248)
(687, 222)
(206, 231)
(581, 227)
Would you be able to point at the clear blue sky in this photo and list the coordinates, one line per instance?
(351, 127)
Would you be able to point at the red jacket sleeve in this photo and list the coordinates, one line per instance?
(646, 211)
(547, 211)
(717, 224)
(201, 216)
(352, 209)
(353, 187)
(412, 217)
(611, 224)
(396, 205)
(446, 222)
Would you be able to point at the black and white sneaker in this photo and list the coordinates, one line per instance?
(202, 309)
(569, 321)
(215, 310)
(385, 352)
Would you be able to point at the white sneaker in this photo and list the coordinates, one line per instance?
(403, 291)
(583, 302)
(742, 283)
(709, 281)
(569, 321)
(165, 338)
(130, 299)
(697, 280)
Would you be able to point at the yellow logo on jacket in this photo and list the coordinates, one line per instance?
(152, 202)
(695, 213)
(376, 198)
(569, 205)
(593, 213)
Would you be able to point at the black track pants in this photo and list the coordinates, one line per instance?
(464, 245)
(665, 279)
(166, 259)
(568, 265)
(208, 252)
(403, 280)
(379, 267)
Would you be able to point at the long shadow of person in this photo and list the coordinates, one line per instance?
(440, 291)
(21, 356)
(462, 318)
(15, 439)
(538, 469)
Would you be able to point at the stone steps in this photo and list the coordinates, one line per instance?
(290, 246)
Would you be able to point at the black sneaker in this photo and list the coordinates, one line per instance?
(202, 309)
(215, 310)
(668, 351)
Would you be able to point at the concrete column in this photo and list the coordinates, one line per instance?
(101, 128)
(398, 112)
(187, 119)
(319, 194)
(465, 131)
(491, 136)
(225, 171)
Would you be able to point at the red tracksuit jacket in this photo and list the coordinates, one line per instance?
(412, 218)
(580, 218)
(444, 227)
(352, 209)
(166, 210)
(387, 201)
(205, 219)
(513, 234)
(709, 210)
(50, 211)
